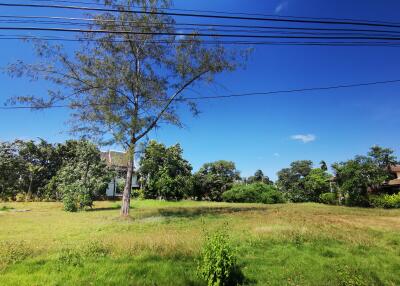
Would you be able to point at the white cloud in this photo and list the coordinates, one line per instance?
(305, 138)
(277, 155)
(281, 6)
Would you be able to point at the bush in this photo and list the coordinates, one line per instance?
(95, 249)
(328, 199)
(21, 197)
(70, 202)
(272, 197)
(13, 252)
(253, 193)
(386, 201)
(218, 264)
(69, 257)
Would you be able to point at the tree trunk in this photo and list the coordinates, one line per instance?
(29, 195)
(126, 196)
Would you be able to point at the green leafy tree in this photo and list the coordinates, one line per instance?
(10, 166)
(41, 163)
(362, 174)
(165, 173)
(316, 183)
(291, 180)
(213, 179)
(122, 84)
(82, 177)
(323, 165)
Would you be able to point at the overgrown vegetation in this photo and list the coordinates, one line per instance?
(285, 244)
(72, 172)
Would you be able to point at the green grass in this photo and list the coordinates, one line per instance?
(291, 244)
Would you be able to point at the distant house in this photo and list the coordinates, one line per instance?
(395, 182)
(119, 161)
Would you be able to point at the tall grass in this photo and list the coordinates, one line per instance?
(291, 244)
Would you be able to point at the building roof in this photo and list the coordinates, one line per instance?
(395, 168)
(395, 182)
(115, 158)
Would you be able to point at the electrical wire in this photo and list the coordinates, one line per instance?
(197, 15)
(299, 90)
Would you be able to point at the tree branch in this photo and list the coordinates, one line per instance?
(179, 91)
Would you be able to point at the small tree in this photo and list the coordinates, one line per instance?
(83, 177)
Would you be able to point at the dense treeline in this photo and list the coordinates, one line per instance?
(74, 173)
(165, 174)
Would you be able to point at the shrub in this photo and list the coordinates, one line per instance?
(328, 198)
(70, 202)
(253, 193)
(386, 201)
(95, 249)
(69, 257)
(272, 197)
(13, 252)
(218, 263)
(21, 197)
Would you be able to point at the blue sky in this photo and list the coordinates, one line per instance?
(263, 132)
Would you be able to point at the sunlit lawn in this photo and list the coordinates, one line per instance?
(291, 244)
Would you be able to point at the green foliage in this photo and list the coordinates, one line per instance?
(355, 177)
(218, 262)
(69, 257)
(253, 193)
(316, 183)
(329, 198)
(347, 276)
(213, 179)
(259, 177)
(5, 208)
(12, 252)
(273, 196)
(70, 202)
(385, 201)
(164, 172)
(82, 177)
(95, 249)
(302, 183)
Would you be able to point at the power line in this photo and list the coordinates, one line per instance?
(56, 29)
(212, 42)
(203, 24)
(273, 30)
(229, 95)
(223, 12)
(198, 15)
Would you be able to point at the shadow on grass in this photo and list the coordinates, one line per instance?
(200, 211)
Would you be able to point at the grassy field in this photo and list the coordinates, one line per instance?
(291, 244)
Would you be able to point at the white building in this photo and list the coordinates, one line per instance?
(119, 161)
